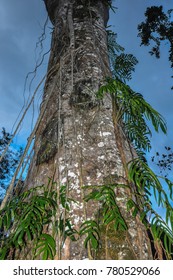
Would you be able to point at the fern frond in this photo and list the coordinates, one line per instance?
(46, 247)
(91, 230)
(134, 111)
(123, 66)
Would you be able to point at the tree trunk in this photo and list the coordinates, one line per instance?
(78, 142)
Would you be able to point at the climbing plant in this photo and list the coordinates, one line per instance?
(132, 112)
(122, 64)
(25, 218)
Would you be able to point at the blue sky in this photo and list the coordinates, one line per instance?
(21, 24)
(152, 77)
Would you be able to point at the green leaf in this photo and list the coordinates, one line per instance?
(46, 246)
(91, 229)
(133, 111)
(94, 241)
(3, 253)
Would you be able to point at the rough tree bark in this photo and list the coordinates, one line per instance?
(78, 141)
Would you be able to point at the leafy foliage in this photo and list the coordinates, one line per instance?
(110, 214)
(110, 209)
(66, 229)
(158, 27)
(146, 180)
(46, 246)
(148, 184)
(91, 230)
(25, 217)
(113, 46)
(133, 110)
(122, 65)
(23, 220)
(164, 161)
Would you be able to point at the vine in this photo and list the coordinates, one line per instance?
(25, 219)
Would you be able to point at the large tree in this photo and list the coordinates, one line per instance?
(81, 144)
(78, 143)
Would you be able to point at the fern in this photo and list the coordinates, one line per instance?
(91, 230)
(123, 66)
(145, 179)
(24, 218)
(66, 229)
(113, 46)
(133, 111)
(46, 247)
(148, 184)
(110, 209)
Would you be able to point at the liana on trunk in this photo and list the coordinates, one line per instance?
(79, 142)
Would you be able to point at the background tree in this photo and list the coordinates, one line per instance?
(164, 161)
(156, 28)
(9, 162)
